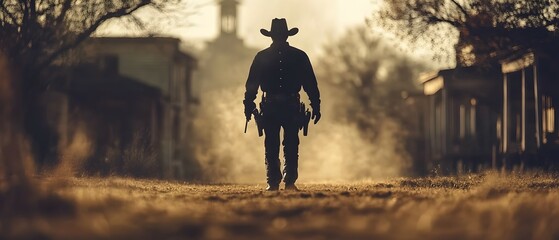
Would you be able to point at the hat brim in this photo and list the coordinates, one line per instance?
(289, 33)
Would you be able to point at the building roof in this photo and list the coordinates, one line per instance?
(229, 1)
(87, 80)
(175, 42)
(136, 39)
(461, 79)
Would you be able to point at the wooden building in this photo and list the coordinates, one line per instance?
(133, 97)
(529, 133)
(460, 112)
(118, 117)
(498, 117)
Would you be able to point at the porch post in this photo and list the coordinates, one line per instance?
(523, 124)
(537, 105)
(505, 114)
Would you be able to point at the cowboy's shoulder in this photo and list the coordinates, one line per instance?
(264, 52)
(259, 57)
(297, 51)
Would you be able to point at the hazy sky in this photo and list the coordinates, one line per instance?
(317, 20)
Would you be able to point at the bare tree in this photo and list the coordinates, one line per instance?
(37, 33)
(486, 28)
(371, 81)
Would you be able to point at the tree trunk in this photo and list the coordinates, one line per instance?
(13, 157)
(42, 137)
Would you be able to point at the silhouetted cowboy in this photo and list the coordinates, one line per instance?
(280, 71)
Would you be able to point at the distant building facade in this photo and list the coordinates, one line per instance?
(132, 97)
(226, 59)
(529, 131)
(501, 117)
(460, 111)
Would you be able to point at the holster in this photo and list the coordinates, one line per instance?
(304, 118)
(258, 118)
(300, 114)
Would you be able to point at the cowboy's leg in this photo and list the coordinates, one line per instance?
(271, 144)
(291, 152)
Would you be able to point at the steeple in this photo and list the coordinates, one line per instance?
(228, 17)
(226, 52)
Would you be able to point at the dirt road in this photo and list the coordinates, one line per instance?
(471, 207)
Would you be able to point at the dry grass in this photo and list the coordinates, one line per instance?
(479, 206)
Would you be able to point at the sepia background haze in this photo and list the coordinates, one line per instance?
(196, 21)
(338, 148)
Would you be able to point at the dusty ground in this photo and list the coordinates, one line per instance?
(471, 207)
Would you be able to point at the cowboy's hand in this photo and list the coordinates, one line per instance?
(316, 114)
(249, 108)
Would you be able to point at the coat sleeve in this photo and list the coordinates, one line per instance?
(253, 81)
(310, 84)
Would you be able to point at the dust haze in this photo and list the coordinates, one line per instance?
(337, 148)
(334, 150)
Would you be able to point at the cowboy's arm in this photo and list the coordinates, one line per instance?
(310, 85)
(252, 84)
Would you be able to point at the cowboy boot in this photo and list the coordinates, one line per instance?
(273, 174)
(271, 143)
(272, 187)
(291, 187)
(291, 154)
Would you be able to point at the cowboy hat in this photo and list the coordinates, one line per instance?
(279, 28)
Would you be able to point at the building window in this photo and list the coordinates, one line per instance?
(462, 121)
(473, 106)
(467, 118)
(499, 128)
(548, 118)
(228, 23)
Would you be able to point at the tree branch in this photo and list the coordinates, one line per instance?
(552, 22)
(88, 31)
(8, 13)
(435, 19)
(461, 8)
(65, 7)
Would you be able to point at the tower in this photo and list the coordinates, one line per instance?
(228, 17)
(226, 58)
